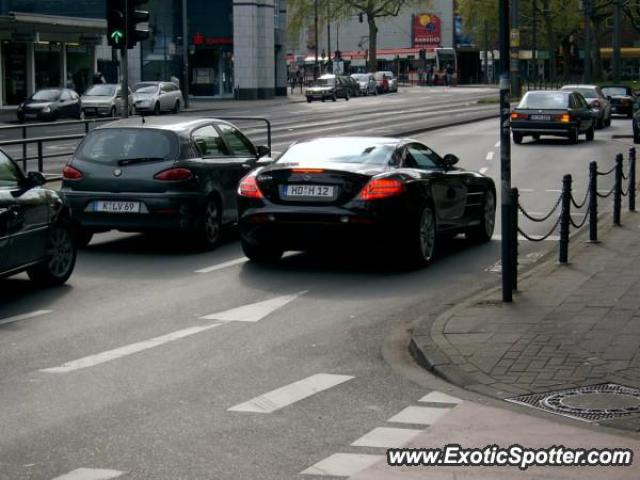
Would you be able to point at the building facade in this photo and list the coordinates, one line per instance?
(235, 48)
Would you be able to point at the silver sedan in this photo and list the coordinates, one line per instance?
(157, 97)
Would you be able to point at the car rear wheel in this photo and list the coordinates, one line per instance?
(334, 97)
(484, 230)
(113, 111)
(600, 123)
(590, 134)
(607, 122)
(156, 109)
(536, 137)
(346, 97)
(517, 137)
(210, 228)
(261, 253)
(573, 136)
(176, 107)
(422, 240)
(60, 258)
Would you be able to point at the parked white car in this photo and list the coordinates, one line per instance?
(367, 83)
(104, 99)
(157, 97)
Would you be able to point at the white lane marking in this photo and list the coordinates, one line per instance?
(384, 437)
(289, 394)
(109, 355)
(90, 474)
(497, 144)
(419, 415)
(343, 464)
(490, 156)
(440, 397)
(255, 311)
(224, 265)
(526, 190)
(553, 191)
(24, 316)
(552, 238)
(484, 170)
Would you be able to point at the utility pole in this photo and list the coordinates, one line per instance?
(534, 38)
(185, 55)
(486, 52)
(330, 64)
(586, 5)
(617, 26)
(505, 154)
(315, 28)
(515, 50)
(124, 62)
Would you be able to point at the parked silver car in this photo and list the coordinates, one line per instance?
(104, 99)
(598, 102)
(157, 97)
(367, 83)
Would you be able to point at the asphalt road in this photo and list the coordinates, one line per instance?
(155, 362)
(409, 110)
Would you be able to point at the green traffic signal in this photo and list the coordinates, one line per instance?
(117, 36)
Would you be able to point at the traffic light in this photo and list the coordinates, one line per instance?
(137, 22)
(116, 23)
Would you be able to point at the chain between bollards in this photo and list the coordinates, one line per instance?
(515, 199)
(565, 219)
(593, 202)
(632, 179)
(617, 190)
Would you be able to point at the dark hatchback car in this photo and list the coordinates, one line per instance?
(397, 195)
(329, 87)
(161, 173)
(555, 113)
(35, 231)
(51, 104)
(622, 98)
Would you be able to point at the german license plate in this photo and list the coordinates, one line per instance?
(113, 206)
(540, 117)
(321, 192)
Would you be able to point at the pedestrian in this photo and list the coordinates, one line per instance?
(70, 83)
(429, 74)
(449, 74)
(175, 81)
(98, 78)
(300, 80)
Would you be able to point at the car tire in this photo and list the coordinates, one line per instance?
(483, 232)
(309, 100)
(83, 237)
(636, 137)
(517, 137)
(630, 115)
(176, 107)
(61, 257)
(422, 239)
(261, 253)
(210, 225)
(114, 111)
(334, 97)
(322, 100)
(536, 137)
(607, 122)
(599, 124)
(590, 134)
(346, 96)
(156, 108)
(573, 136)
(21, 118)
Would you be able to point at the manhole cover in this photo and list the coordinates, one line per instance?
(590, 403)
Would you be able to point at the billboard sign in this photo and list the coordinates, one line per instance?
(427, 30)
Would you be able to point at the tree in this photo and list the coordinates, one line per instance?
(302, 10)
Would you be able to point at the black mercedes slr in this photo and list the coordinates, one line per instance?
(364, 193)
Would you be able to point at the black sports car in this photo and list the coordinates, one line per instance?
(51, 104)
(363, 192)
(622, 99)
(35, 231)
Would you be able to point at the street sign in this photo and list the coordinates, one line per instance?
(515, 38)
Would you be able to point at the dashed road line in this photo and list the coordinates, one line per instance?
(384, 437)
(90, 474)
(221, 266)
(289, 394)
(253, 312)
(419, 415)
(490, 156)
(343, 464)
(484, 170)
(439, 397)
(24, 316)
(116, 353)
(497, 144)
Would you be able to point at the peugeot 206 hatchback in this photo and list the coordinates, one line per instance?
(162, 173)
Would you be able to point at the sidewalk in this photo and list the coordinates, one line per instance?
(569, 326)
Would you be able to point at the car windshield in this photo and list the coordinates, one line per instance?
(325, 82)
(101, 91)
(360, 77)
(613, 91)
(586, 92)
(146, 88)
(50, 95)
(116, 145)
(338, 151)
(545, 100)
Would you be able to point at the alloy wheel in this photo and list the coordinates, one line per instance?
(489, 213)
(60, 252)
(427, 234)
(211, 223)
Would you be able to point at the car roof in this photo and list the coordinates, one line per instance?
(375, 140)
(176, 123)
(579, 86)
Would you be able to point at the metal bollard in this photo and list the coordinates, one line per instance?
(593, 202)
(515, 199)
(565, 215)
(632, 179)
(617, 190)
(24, 149)
(40, 158)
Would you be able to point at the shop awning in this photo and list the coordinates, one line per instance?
(52, 27)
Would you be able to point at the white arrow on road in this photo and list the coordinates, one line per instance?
(253, 312)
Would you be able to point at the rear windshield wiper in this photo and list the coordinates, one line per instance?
(130, 161)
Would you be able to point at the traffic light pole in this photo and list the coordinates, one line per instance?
(185, 55)
(505, 154)
(124, 63)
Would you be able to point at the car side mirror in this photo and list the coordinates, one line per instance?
(450, 160)
(36, 179)
(263, 151)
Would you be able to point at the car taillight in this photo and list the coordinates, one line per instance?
(596, 104)
(71, 173)
(249, 187)
(174, 175)
(381, 188)
(518, 116)
(565, 118)
(307, 170)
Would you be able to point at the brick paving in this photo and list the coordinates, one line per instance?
(568, 326)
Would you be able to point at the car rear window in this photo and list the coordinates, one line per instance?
(111, 145)
(586, 92)
(338, 151)
(613, 91)
(545, 100)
